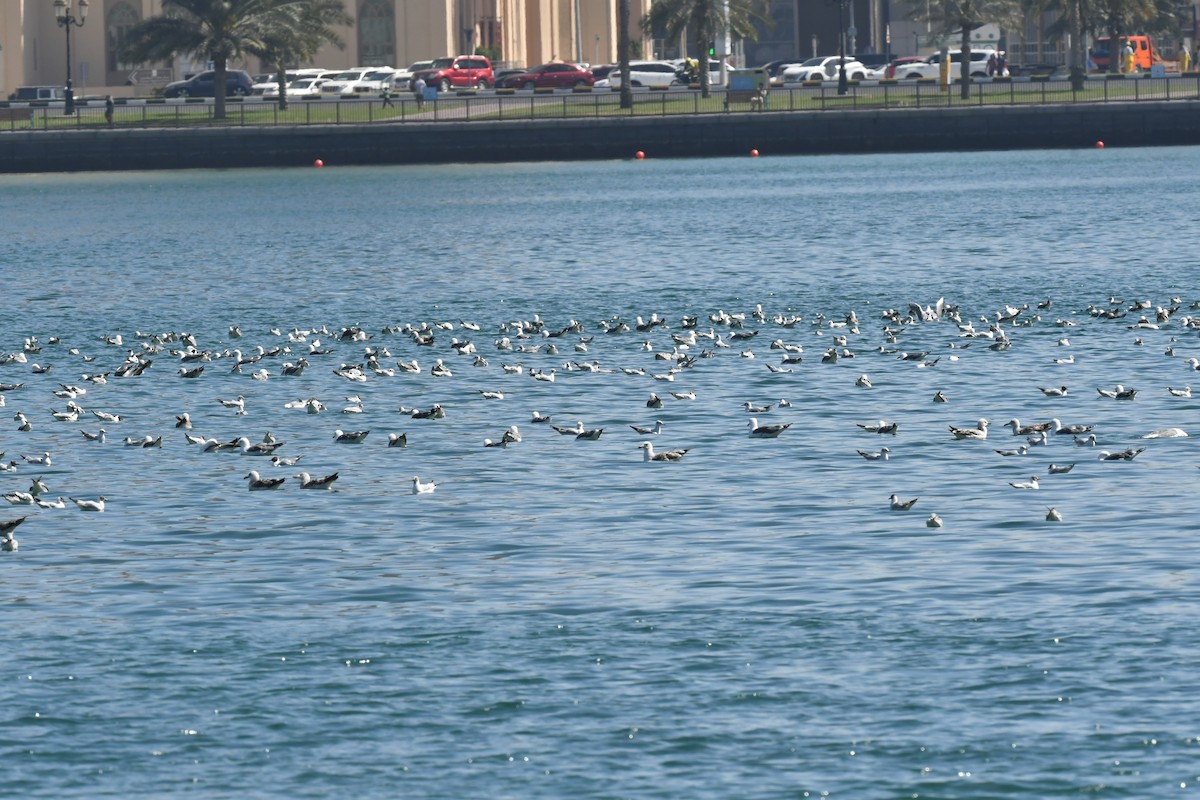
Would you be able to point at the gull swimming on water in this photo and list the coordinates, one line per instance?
(883, 426)
(422, 488)
(1020, 451)
(934, 521)
(1032, 483)
(259, 483)
(978, 432)
(397, 440)
(349, 437)
(309, 482)
(1060, 469)
(1052, 515)
(902, 505)
(90, 505)
(882, 455)
(766, 431)
(653, 430)
(1166, 433)
(280, 461)
(1184, 392)
(666, 455)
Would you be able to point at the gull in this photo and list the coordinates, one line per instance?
(1059, 428)
(1020, 451)
(590, 435)
(902, 505)
(25, 424)
(766, 431)
(882, 455)
(94, 437)
(1166, 433)
(440, 370)
(349, 437)
(934, 521)
(280, 461)
(59, 503)
(1053, 515)
(397, 440)
(1032, 483)
(8, 542)
(65, 416)
(511, 436)
(195, 372)
(90, 505)
(1060, 469)
(684, 395)
(1060, 391)
(548, 377)
(309, 482)
(1114, 392)
(649, 431)
(422, 488)
(572, 431)
(1023, 430)
(1184, 392)
(258, 449)
(409, 366)
(260, 375)
(978, 432)
(259, 483)
(489, 394)
(1123, 455)
(8, 526)
(938, 397)
(490, 443)
(435, 412)
(883, 426)
(42, 460)
(667, 455)
(1041, 438)
(753, 409)
(354, 408)
(537, 417)
(183, 420)
(863, 381)
(19, 498)
(654, 401)
(38, 486)
(239, 405)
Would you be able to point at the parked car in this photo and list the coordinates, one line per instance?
(507, 72)
(402, 78)
(600, 71)
(931, 66)
(458, 72)
(823, 68)
(897, 65)
(557, 74)
(334, 86)
(371, 84)
(269, 86)
(646, 73)
(305, 89)
(238, 83)
(714, 71)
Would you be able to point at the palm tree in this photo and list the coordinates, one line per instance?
(297, 35)
(963, 16)
(217, 31)
(706, 21)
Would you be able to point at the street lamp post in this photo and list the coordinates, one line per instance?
(62, 13)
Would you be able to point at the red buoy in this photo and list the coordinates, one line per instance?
(1099, 145)
(754, 153)
(318, 163)
(639, 155)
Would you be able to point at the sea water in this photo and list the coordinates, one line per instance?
(559, 617)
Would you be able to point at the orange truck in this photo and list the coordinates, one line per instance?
(1144, 54)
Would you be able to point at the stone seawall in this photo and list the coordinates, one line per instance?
(772, 133)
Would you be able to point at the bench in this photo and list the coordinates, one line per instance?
(757, 98)
(11, 114)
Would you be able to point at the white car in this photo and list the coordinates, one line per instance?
(336, 84)
(931, 67)
(402, 78)
(645, 73)
(371, 84)
(305, 89)
(823, 68)
(270, 87)
(714, 70)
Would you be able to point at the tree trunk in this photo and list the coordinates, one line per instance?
(965, 71)
(1075, 55)
(219, 70)
(704, 32)
(623, 53)
(281, 77)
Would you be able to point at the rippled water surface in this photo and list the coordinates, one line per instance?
(560, 618)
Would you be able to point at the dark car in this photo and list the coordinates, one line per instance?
(897, 64)
(602, 70)
(558, 74)
(238, 83)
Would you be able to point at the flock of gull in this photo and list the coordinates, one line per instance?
(74, 389)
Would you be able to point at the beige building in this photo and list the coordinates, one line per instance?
(33, 46)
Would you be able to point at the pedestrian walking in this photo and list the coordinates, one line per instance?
(386, 94)
(418, 88)
(108, 110)
(1185, 58)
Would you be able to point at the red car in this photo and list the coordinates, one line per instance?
(460, 72)
(554, 75)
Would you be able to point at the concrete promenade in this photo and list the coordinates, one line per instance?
(1146, 123)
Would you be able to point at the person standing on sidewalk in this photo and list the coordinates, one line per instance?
(418, 88)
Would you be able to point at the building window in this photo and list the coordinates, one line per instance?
(118, 19)
(376, 34)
